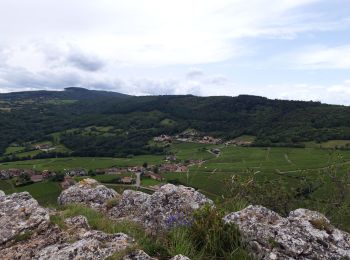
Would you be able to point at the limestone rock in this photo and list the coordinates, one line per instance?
(26, 233)
(130, 204)
(154, 211)
(2, 193)
(20, 215)
(180, 257)
(28, 248)
(93, 245)
(88, 192)
(77, 222)
(304, 234)
(138, 255)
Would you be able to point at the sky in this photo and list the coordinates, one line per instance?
(285, 49)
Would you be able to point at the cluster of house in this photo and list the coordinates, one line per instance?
(44, 147)
(172, 167)
(238, 143)
(35, 176)
(190, 136)
(75, 172)
(163, 138)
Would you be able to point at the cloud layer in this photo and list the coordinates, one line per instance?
(173, 47)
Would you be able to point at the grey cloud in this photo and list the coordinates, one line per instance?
(85, 62)
(194, 73)
(21, 79)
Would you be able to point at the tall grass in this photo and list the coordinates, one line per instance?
(207, 237)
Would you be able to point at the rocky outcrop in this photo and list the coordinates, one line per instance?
(2, 193)
(20, 215)
(27, 233)
(88, 192)
(141, 255)
(138, 255)
(130, 205)
(77, 223)
(304, 234)
(91, 245)
(156, 211)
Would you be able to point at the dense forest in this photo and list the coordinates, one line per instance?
(133, 121)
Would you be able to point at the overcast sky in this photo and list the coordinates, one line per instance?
(288, 49)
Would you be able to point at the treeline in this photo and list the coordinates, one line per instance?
(139, 119)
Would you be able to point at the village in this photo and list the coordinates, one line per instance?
(193, 136)
(124, 175)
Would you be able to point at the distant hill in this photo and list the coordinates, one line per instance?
(68, 93)
(91, 122)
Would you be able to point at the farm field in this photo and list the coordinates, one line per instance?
(45, 192)
(89, 163)
(211, 177)
(266, 163)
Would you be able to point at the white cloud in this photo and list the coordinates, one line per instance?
(322, 57)
(47, 44)
(338, 93)
(152, 32)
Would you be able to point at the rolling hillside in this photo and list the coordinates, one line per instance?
(100, 123)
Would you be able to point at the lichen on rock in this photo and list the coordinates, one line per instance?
(153, 211)
(87, 192)
(20, 214)
(304, 234)
(27, 233)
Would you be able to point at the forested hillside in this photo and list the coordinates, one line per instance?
(122, 125)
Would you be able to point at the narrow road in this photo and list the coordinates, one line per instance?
(138, 179)
(125, 185)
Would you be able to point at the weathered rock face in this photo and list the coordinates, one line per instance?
(130, 205)
(138, 255)
(304, 234)
(2, 193)
(26, 233)
(77, 223)
(88, 192)
(91, 245)
(20, 214)
(141, 255)
(154, 211)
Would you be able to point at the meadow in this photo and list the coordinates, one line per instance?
(279, 168)
(89, 163)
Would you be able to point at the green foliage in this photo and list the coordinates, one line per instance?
(112, 124)
(58, 220)
(111, 203)
(207, 237)
(213, 237)
(23, 236)
(59, 177)
(180, 243)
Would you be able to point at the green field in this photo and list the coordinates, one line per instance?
(89, 163)
(45, 192)
(13, 149)
(267, 163)
(283, 166)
